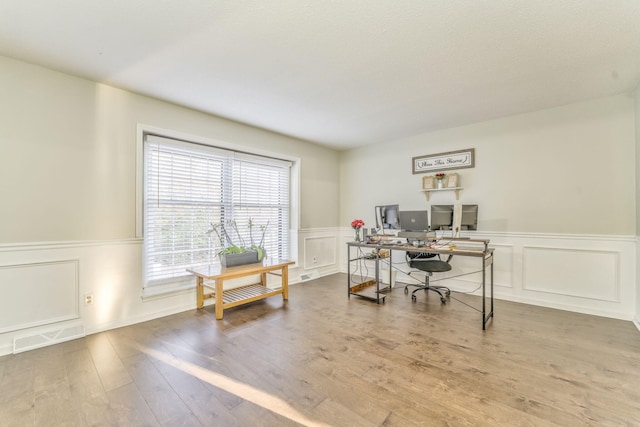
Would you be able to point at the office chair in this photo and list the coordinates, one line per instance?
(424, 262)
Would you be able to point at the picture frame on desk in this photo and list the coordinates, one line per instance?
(452, 180)
(428, 182)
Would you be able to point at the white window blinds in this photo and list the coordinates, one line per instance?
(190, 186)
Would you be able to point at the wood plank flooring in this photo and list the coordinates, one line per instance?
(322, 359)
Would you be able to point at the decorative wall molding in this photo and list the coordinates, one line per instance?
(38, 293)
(637, 317)
(549, 236)
(319, 251)
(592, 274)
(589, 273)
(111, 271)
(30, 246)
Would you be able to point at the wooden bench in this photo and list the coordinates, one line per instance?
(243, 294)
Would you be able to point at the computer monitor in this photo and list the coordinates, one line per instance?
(387, 217)
(414, 220)
(441, 217)
(469, 217)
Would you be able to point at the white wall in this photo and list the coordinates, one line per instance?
(561, 170)
(556, 192)
(68, 185)
(67, 156)
(637, 180)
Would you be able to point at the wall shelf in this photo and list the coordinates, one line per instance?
(431, 190)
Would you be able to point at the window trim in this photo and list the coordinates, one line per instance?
(294, 189)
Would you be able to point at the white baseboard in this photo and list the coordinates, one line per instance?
(139, 319)
(636, 322)
(565, 307)
(6, 349)
(501, 293)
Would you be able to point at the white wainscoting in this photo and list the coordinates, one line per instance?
(581, 273)
(40, 293)
(577, 272)
(43, 285)
(589, 274)
(319, 250)
(636, 320)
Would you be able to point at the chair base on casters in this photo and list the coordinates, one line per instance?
(440, 290)
(429, 267)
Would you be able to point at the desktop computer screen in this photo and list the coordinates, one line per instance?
(441, 217)
(414, 220)
(469, 217)
(387, 217)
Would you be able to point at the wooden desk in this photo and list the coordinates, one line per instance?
(243, 294)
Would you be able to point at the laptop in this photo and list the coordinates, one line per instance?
(414, 220)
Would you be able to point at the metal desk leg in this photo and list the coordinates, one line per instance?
(378, 279)
(484, 319)
(349, 271)
(491, 285)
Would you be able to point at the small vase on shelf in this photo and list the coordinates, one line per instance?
(357, 234)
(439, 183)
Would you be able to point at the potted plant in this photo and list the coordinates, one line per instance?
(232, 253)
(440, 180)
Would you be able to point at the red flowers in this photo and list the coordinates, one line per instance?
(357, 224)
(439, 175)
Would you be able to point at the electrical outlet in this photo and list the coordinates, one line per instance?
(315, 260)
(88, 299)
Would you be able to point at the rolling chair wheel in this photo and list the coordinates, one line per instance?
(413, 298)
(443, 300)
(448, 293)
(406, 291)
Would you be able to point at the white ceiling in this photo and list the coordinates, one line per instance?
(339, 73)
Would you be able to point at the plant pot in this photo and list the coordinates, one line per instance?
(242, 258)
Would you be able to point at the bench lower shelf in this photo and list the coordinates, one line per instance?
(246, 294)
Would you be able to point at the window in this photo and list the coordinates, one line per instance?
(188, 187)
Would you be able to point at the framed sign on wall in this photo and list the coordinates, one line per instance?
(460, 159)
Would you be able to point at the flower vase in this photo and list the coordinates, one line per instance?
(439, 183)
(357, 234)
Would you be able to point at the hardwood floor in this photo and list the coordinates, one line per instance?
(322, 359)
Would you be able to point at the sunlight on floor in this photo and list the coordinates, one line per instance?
(242, 390)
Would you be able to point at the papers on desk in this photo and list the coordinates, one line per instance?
(441, 246)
